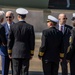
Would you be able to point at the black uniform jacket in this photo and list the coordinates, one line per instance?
(52, 45)
(21, 40)
(3, 40)
(71, 48)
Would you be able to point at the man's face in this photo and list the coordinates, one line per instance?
(49, 24)
(9, 17)
(62, 19)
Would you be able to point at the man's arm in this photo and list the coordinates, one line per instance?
(3, 36)
(61, 48)
(71, 48)
(10, 41)
(43, 46)
(32, 40)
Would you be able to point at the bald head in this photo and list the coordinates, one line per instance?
(9, 16)
(62, 18)
(10, 13)
(62, 15)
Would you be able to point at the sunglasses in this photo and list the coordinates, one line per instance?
(65, 18)
(8, 17)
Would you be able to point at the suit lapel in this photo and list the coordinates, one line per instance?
(65, 29)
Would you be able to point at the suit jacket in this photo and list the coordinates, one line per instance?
(2, 39)
(66, 36)
(71, 48)
(7, 29)
(21, 40)
(3, 50)
(52, 44)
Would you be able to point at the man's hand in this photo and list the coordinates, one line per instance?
(4, 44)
(68, 61)
(10, 56)
(40, 57)
(61, 60)
(31, 57)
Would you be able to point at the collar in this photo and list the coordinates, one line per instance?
(21, 20)
(11, 23)
(62, 25)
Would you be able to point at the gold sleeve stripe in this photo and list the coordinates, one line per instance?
(61, 54)
(41, 53)
(32, 51)
(68, 49)
(9, 51)
(70, 39)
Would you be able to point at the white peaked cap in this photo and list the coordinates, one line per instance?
(21, 11)
(73, 14)
(52, 18)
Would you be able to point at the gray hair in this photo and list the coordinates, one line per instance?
(2, 14)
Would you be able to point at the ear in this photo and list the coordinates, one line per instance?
(18, 16)
(58, 18)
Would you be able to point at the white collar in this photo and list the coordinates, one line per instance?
(9, 24)
(21, 20)
(61, 25)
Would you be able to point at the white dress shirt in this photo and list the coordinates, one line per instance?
(62, 28)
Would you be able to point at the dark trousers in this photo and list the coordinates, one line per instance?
(50, 68)
(64, 67)
(5, 65)
(20, 66)
(10, 62)
(72, 67)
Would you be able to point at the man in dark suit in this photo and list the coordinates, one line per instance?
(71, 49)
(21, 43)
(51, 50)
(66, 30)
(9, 21)
(3, 44)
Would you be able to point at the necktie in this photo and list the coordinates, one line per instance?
(62, 29)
